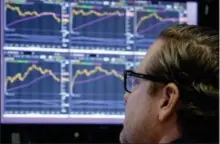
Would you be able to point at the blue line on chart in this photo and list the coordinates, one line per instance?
(35, 93)
(92, 22)
(32, 40)
(32, 101)
(32, 36)
(33, 106)
(100, 101)
(97, 106)
(101, 94)
(101, 104)
(143, 45)
(103, 43)
(98, 39)
(32, 30)
(96, 102)
(145, 40)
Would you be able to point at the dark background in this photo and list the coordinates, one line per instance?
(208, 16)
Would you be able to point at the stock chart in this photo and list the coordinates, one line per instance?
(87, 26)
(150, 24)
(33, 23)
(80, 51)
(32, 86)
(97, 88)
(98, 27)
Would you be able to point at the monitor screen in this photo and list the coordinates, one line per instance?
(63, 61)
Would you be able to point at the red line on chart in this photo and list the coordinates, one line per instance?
(93, 22)
(45, 76)
(89, 80)
(29, 18)
(28, 84)
(157, 24)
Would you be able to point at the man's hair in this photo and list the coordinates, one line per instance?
(190, 59)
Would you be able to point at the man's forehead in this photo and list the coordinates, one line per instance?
(155, 47)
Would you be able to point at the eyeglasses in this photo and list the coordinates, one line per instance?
(132, 80)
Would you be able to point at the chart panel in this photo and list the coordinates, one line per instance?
(97, 86)
(34, 85)
(151, 24)
(98, 26)
(151, 20)
(35, 23)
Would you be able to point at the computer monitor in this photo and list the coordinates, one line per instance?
(63, 61)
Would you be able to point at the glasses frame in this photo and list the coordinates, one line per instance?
(194, 98)
(142, 76)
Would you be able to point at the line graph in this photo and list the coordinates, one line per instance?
(32, 105)
(97, 107)
(84, 19)
(34, 16)
(29, 83)
(19, 76)
(22, 82)
(33, 24)
(31, 13)
(25, 101)
(33, 86)
(98, 41)
(142, 19)
(90, 12)
(96, 84)
(155, 22)
(106, 25)
(87, 73)
(149, 25)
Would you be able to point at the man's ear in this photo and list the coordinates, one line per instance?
(169, 100)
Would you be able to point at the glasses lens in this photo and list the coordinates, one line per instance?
(131, 83)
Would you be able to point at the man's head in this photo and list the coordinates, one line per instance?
(184, 102)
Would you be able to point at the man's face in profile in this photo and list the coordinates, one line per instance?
(159, 115)
(141, 108)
